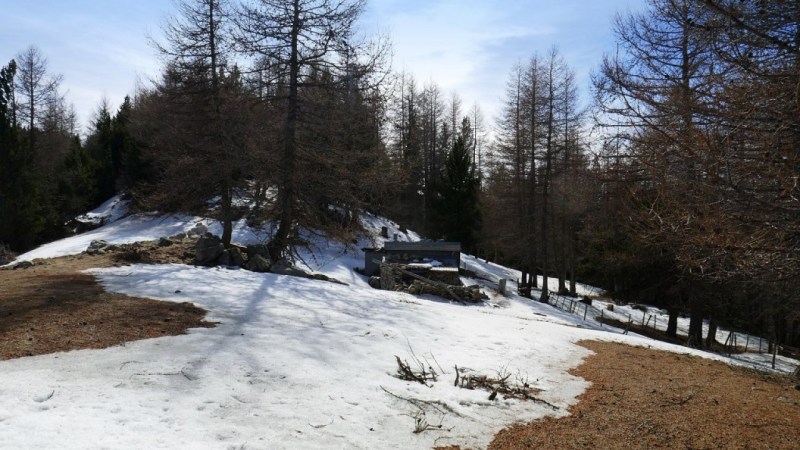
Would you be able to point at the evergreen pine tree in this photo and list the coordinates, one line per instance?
(99, 146)
(126, 155)
(20, 213)
(77, 186)
(458, 216)
(8, 145)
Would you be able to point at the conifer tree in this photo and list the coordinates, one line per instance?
(8, 149)
(193, 118)
(77, 187)
(457, 213)
(98, 145)
(20, 218)
(297, 41)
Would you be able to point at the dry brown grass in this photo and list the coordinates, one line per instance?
(642, 398)
(52, 307)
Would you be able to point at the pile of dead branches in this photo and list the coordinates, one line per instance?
(396, 277)
(419, 374)
(519, 388)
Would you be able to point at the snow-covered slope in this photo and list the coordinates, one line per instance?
(293, 363)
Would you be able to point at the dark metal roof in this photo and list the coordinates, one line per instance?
(423, 246)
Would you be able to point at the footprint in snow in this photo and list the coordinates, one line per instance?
(44, 398)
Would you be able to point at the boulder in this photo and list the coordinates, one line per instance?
(257, 249)
(231, 257)
(258, 264)
(99, 247)
(197, 231)
(224, 259)
(207, 250)
(375, 282)
(164, 242)
(237, 258)
(178, 237)
(22, 265)
(283, 267)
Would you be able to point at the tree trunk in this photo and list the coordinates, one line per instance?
(711, 337)
(545, 185)
(286, 195)
(524, 288)
(227, 216)
(695, 338)
(562, 278)
(573, 291)
(531, 219)
(672, 322)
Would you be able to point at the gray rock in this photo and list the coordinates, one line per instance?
(375, 282)
(178, 237)
(96, 245)
(197, 231)
(207, 250)
(164, 242)
(237, 258)
(258, 264)
(23, 265)
(224, 259)
(99, 247)
(282, 267)
(258, 249)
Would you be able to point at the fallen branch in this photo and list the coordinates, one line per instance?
(405, 372)
(421, 416)
(520, 390)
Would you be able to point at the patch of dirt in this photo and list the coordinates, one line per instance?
(52, 306)
(642, 398)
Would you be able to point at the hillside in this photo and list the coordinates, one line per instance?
(298, 363)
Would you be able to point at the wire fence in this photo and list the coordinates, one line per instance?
(575, 306)
(733, 341)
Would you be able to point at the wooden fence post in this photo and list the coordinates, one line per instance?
(725, 345)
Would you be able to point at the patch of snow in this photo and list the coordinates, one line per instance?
(495, 272)
(111, 210)
(293, 364)
(298, 363)
(138, 228)
(658, 318)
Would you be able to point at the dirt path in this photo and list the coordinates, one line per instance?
(52, 306)
(643, 398)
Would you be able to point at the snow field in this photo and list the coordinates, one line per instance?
(295, 363)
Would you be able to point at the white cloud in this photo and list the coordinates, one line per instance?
(469, 47)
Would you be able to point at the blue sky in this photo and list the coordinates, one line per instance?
(465, 46)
